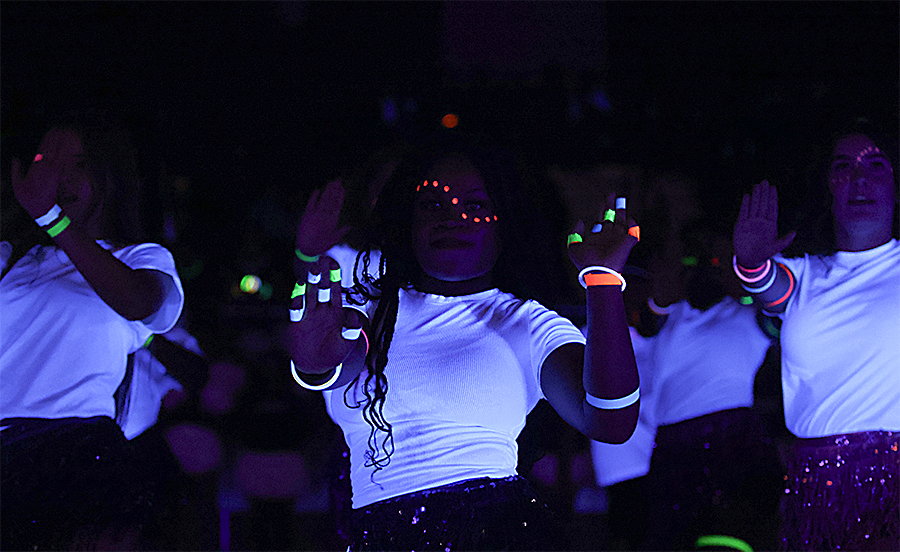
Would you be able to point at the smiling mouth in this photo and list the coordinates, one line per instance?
(861, 201)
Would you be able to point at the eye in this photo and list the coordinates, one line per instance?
(840, 166)
(474, 206)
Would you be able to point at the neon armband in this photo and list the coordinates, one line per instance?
(613, 404)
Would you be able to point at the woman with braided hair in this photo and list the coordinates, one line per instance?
(431, 369)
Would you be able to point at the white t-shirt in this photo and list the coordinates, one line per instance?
(706, 361)
(840, 342)
(631, 459)
(463, 373)
(63, 350)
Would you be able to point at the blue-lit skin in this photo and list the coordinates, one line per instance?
(455, 253)
(861, 181)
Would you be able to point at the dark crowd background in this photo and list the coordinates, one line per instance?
(240, 109)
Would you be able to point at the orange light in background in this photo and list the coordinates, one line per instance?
(449, 120)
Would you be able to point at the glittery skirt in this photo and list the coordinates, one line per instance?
(476, 514)
(842, 492)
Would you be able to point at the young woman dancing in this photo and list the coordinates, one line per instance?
(432, 376)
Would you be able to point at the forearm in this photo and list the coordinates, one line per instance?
(133, 294)
(610, 371)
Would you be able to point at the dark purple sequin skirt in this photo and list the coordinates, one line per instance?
(842, 492)
(476, 514)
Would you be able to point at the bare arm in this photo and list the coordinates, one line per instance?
(605, 367)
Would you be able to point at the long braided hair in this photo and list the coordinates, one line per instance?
(390, 233)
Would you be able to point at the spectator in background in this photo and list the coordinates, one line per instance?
(79, 292)
(840, 305)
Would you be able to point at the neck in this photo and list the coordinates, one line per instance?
(435, 286)
(849, 242)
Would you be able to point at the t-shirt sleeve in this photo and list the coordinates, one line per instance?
(156, 257)
(798, 266)
(549, 331)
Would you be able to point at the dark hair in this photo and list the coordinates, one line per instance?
(814, 221)
(391, 234)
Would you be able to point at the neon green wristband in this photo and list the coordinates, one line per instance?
(724, 541)
(306, 258)
(57, 228)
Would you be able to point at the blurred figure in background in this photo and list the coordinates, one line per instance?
(714, 469)
(79, 292)
(838, 294)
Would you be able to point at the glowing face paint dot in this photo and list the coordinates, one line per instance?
(455, 200)
(487, 219)
(465, 216)
(476, 219)
(435, 184)
(38, 157)
(446, 188)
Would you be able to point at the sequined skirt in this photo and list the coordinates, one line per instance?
(842, 492)
(476, 514)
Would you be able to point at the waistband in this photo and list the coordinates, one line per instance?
(848, 439)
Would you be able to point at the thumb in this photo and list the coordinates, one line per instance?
(786, 240)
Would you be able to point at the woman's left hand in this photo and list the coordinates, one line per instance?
(609, 247)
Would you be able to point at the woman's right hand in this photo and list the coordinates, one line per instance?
(316, 343)
(318, 230)
(756, 231)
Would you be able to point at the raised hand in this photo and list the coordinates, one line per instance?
(609, 247)
(316, 344)
(318, 230)
(37, 191)
(756, 231)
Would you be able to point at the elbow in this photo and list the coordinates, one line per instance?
(614, 426)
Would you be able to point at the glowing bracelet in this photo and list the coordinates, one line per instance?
(574, 237)
(723, 541)
(600, 269)
(787, 294)
(326, 385)
(299, 289)
(49, 216)
(662, 311)
(613, 404)
(609, 215)
(765, 286)
(59, 227)
(296, 315)
(744, 269)
(602, 279)
(306, 258)
(738, 269)
(334, 275)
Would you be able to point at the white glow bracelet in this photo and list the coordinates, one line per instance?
(326, 385)
(613, 404)
(49, 217)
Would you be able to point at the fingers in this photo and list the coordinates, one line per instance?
(745, 208)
